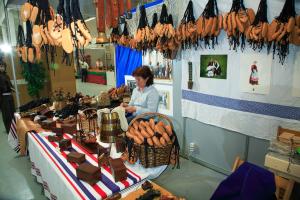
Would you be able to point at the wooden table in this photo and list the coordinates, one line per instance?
(140, 191)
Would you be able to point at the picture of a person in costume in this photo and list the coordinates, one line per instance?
(253, 80)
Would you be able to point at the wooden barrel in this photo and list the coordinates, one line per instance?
(110, 127)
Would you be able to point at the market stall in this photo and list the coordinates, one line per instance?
(206, 80)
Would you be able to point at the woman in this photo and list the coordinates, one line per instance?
(145, 97)
(6, 99)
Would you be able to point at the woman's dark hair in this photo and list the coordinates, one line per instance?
(144, 72)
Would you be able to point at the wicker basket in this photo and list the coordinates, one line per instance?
(151, 156)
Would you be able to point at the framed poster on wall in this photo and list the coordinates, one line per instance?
(255, 73)
(213, 66)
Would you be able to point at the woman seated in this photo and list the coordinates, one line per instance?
(145, 97)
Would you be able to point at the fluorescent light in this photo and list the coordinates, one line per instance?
(90, 19)
(5, 48)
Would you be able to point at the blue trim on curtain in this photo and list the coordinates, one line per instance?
(274, 110)
(149, 5)
(127, 60)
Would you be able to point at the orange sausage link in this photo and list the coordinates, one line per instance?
(152, 123)
(156, 141)
(128, 134)
(150, 142)
(159, 129)
(149, 131)
(137, 140)
(145, 134)
(136, 125)
(169, 130)
(166, 137)
(163, 141)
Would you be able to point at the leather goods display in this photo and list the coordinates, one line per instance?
(69, 128)
(88, 173)
(65, 144)
(54, 138)
(120, 144)
(47, 112)
(57, 131)
(103, 159)
(40, 118)
(76, 157)
(48, 124)
(118, 169)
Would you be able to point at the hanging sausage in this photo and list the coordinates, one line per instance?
(187, 32)
(209, 24)
(257, 33)
(237, 22)
(281, 29)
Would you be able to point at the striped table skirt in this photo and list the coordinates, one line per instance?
(58, 176)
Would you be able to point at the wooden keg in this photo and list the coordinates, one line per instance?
(110, 127)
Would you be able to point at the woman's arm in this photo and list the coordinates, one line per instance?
(152, 103)
(133, 97)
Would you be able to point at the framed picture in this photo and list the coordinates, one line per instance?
(130, 82)
(213, 66)
(255, 73)
(165, 105)
(161, 67)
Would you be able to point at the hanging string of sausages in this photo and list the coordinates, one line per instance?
(165, 34)
(279, 34)
(257, 33)
(236, 22)
(187, 32)
(209, 24)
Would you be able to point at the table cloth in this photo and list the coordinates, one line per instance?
(98, 77)
(58, 176)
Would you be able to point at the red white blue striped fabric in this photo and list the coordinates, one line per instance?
(106, 187)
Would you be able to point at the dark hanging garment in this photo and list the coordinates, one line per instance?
(6, 100)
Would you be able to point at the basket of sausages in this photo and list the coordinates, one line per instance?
(154, 141)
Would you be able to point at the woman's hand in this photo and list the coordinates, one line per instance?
(130, 109)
